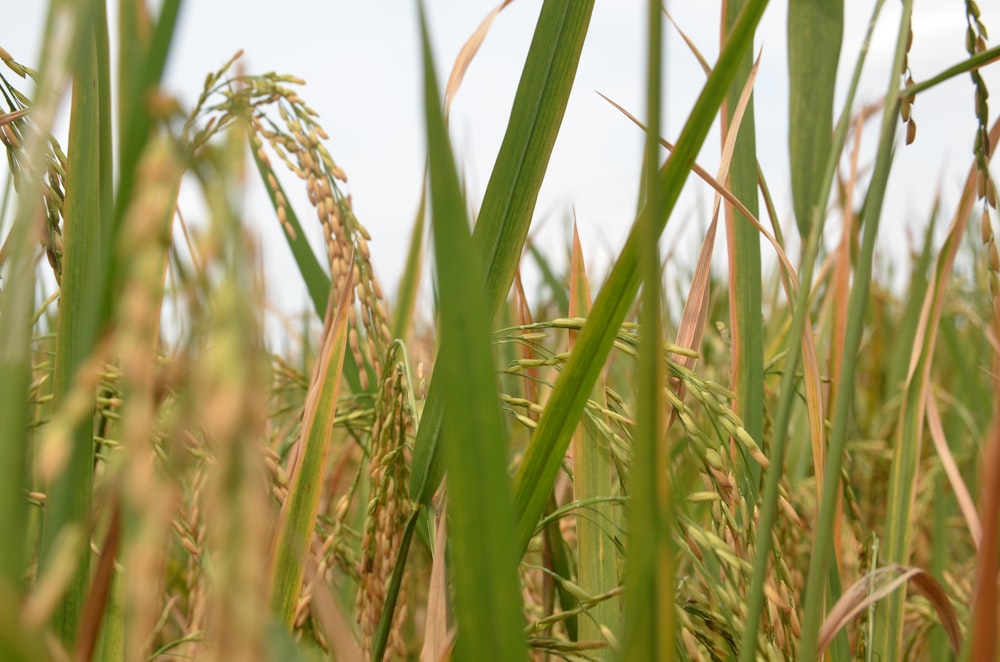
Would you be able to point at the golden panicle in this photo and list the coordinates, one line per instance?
(388, 508)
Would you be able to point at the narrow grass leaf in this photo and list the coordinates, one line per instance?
(135, 28)
(597, 570)
(649, 577)
(509, 201)
(138, 81)
(298, 516)
(555, 284)
(815, 32)
(888, 579)
(17, 296)
(88, 238)
(468, 52)
(16, 301)
(437, 640)
(409, 281)
(958, 486)
(743, 241)
(487, 591)
(146, 45)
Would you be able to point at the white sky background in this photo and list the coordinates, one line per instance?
(361, 63)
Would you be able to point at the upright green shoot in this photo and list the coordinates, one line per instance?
(745, 298)
(88, 238)
(649, 582)
(487, 594)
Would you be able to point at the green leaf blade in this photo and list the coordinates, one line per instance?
(88, 237)
(487, 589)
(815, 33)
(509, 201)
(298, 517)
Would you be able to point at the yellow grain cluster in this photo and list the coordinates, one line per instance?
(388, 508)
(975, 43)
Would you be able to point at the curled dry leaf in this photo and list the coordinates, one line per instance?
(437, 638)
(468, 52)
(880, 583)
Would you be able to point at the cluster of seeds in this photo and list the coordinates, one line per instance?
(906, 103)
(711, 600)
(191, 528)
(14, 125)
(388, 507)
(297, 140)
(975, 43)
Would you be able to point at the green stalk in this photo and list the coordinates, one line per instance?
(488, 604)
(965, 66)
(649, 580)
(543, 456)
(137, 81)
(88, 238)
(818, 566)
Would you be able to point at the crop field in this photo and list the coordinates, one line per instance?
(788, 457)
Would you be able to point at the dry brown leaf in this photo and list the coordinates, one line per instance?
(467, 53)
(690, 44)
(860, 595)
(965, 503)
(437, 638)
(330, 616)
(983, 619)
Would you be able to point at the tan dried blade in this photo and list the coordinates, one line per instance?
(705, 67)
(983, 618)
(468, 52)
(965, 502)
(860, 595)
(328, 613)
(437, 638)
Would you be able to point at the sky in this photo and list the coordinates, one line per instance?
(361, 64)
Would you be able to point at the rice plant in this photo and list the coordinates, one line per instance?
(795, 463)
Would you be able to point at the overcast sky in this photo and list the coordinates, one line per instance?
(360, 60)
